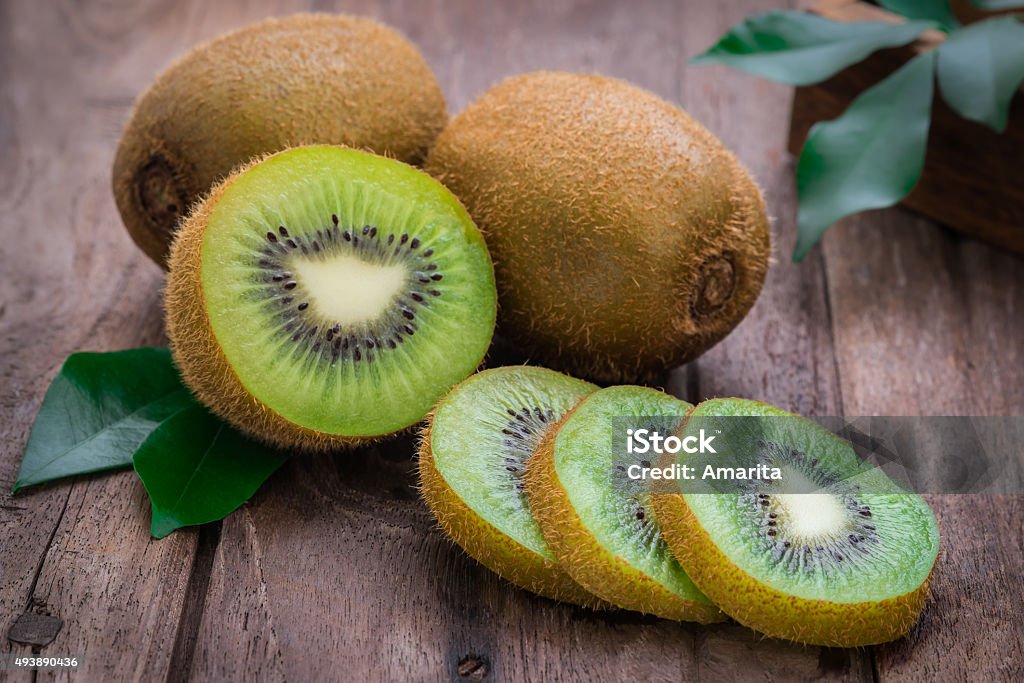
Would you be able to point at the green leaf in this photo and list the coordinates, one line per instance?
(97, 411)
(935, 10)
(800, 48)
(980, 69)
(868, 158)
(996, 5)
(196, 470)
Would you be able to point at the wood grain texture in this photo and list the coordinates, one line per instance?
(336, 570)
(71, 281)
(912, 307)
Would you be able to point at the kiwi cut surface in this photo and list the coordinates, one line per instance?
(626, 238)
(472, 459)
(278, 83)
(597, 521)
(835, 553)
(326, 295)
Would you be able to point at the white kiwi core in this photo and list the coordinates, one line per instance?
(348, 289)
(811, 516)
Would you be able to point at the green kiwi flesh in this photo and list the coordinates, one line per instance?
(835, 553)
(326, 293)
(472, 460)
(597, 520)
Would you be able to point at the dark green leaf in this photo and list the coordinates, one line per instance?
(196, 469)
(97, 411)
(935, 10)
(868, 158)
(998, 4)
(800, 48)
(980, 69)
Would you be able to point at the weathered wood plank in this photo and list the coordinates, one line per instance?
(782, 352)
(72, 280)
(926, 323)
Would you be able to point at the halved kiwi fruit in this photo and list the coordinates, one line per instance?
(598, 521)
(325, 296)
(627, 239)
(834, 553)
(472, 459)
(301, 79)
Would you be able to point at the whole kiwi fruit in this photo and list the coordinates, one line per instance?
(626, 238)
(301, 79)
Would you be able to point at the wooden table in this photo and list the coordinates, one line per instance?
(335, 570)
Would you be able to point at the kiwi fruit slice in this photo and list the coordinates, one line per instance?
(301, 79)
(472, 460)
(325, 296)
(598, 521)
(626, 238)
(834, 553)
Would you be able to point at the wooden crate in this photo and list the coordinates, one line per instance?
(972, 175)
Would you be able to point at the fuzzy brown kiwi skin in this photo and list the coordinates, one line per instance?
(605, 268)
(485, 543)
(278, 83)
(606, 575)
(765, 609)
